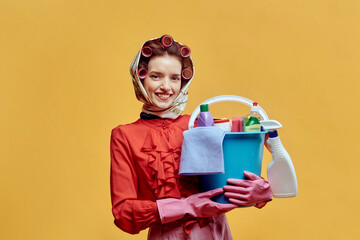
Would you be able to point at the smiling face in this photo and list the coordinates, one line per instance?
(163, 81)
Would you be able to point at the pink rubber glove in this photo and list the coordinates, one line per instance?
(256, 190)
(197, 205)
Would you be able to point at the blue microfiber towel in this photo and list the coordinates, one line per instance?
(202, 151)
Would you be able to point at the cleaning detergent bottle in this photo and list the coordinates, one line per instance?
(252, 125)
(254, 112)
(205, 118)
(280, 171)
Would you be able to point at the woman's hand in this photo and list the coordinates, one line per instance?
(256, 190)
(201, 205)
(197, 205)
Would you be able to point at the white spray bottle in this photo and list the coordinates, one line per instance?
(280, 171)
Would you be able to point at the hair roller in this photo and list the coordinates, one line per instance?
(186, 73)
(166, 41)
(185, 51)
(142, 73)
(146, 51)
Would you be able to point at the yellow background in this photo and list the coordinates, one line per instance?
(65, 83)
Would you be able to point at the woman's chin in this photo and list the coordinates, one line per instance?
(161, 108)
(162, 105)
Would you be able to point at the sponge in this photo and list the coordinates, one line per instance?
(237, 124)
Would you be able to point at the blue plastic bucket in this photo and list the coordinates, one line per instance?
(243, 151)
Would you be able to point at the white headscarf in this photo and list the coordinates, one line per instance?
(175, 109)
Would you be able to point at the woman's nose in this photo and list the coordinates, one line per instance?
(165, 85)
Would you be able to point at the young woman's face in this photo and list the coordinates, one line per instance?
(163, 82)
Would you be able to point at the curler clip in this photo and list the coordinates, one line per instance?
(185, 51)
(166, 41)
(186, 73)
(146, 51)
(142, 73)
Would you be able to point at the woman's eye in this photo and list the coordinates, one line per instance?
(176, 78)
(154, 76)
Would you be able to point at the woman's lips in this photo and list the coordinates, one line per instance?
(163, 96)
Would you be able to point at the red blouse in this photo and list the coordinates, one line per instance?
(145, 157)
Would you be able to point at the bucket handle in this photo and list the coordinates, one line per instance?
(225, 98)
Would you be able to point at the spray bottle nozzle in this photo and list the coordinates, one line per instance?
(270, 125)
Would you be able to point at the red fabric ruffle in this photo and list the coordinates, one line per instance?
(164, 158)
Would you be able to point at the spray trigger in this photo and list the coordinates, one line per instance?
(270, 124)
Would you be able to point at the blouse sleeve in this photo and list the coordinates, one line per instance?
(131, 215)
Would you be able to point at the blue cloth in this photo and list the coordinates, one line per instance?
(202, 151)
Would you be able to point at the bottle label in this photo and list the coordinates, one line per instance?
(253, 128)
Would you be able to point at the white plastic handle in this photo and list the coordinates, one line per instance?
(225, 98)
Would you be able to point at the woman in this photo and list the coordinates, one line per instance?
(146, 189)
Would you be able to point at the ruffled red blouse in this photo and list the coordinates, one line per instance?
(145, 157)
